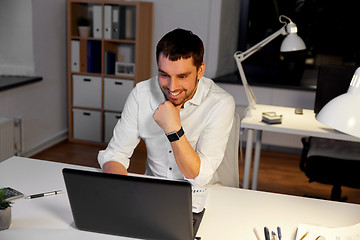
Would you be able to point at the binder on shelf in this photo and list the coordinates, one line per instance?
(75, 55)
(115, 14)
(122, 22)
(130, 23)
(94, 56)
(97, 21)
(107, 21)
(109, 64)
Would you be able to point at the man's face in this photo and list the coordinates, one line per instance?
(178, 79)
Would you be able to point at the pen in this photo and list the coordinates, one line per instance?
(267, 234)
(279, 233)
(256, 234)
(43, 194)
(273, 234)
(304, 236)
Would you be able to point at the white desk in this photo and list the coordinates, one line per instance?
(292, 123)
(231, 213)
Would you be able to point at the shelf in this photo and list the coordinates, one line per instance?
(123, 57)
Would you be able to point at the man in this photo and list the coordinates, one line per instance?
(184, 118)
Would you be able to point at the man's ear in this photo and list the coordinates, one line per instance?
(201, 70)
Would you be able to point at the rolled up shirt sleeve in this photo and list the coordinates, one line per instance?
(125, 135)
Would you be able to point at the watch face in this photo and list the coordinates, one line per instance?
(173, 137)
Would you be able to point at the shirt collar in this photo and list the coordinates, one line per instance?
(157, 95)
(200, 92)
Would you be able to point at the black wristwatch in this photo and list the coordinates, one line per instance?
(174, 136)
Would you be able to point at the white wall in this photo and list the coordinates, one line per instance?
(42, 105)
(204, 18)
(187, 14)
(16, 41)
(227, 46)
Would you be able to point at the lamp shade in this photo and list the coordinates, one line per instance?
(292, 42)
(343, 112)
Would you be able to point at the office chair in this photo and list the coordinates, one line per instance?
(227, 173)
(330, 161)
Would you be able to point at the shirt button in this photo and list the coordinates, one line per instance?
(170, 168)
(170, 151)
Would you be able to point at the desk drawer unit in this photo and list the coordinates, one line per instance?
(116, 92)
(87, 125)
(110, 121)
(86, 91)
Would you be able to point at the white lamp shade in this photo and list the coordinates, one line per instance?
(292, 42)
(343, 112)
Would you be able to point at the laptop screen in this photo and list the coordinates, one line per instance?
(130, 206)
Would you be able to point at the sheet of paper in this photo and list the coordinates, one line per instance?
(341, 233)
(199, 196)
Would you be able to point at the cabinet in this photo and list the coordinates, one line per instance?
(105, 63)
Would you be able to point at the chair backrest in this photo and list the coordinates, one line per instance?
(332, 81)
(227, 173)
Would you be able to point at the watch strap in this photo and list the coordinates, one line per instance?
(174, 136)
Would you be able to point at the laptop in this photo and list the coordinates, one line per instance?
(131, 206)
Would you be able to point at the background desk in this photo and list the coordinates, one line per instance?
(304, 124)
(231, 213)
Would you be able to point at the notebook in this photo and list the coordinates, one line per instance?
(131, 206)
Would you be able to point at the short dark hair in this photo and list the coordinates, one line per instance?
(181, 43)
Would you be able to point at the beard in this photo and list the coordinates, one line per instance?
(181, 96)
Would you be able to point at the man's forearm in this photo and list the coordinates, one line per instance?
(114, 168)
(186, 158)
(167, 116)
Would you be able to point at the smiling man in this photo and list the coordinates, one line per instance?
(183, 117)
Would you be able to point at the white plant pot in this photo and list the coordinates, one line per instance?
(5, 218)
(84, 31)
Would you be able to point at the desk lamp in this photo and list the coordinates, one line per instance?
(292, 42)
(342, 112)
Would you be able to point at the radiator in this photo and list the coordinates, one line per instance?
(7, 145)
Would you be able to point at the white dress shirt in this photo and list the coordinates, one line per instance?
(206, 119)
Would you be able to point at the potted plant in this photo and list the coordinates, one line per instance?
(83, 26)
(5, 211)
